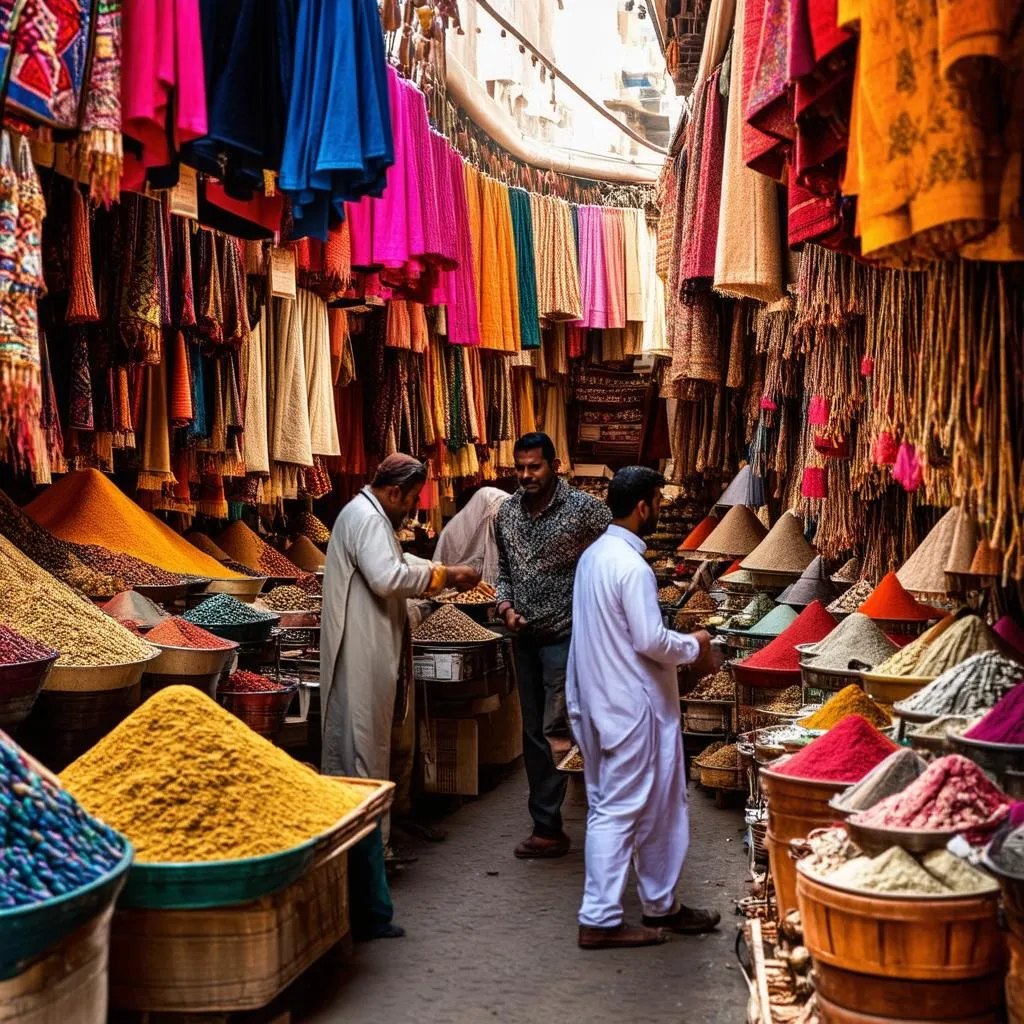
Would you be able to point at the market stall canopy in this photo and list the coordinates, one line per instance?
(812, 586)
(743, 489)
(783, 550)
(947, 549)
(735, 536)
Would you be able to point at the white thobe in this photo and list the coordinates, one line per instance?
(623, 700)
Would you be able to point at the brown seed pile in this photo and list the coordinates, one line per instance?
(849, 602)
(786, 702)
(207, 545)
(288, 599)
(716, 686)
(306, 523)
(305, 554)
(573, 761)
(310, 584)
(725, 757)
(42, 608)
(669, 594)
(450, 626)
(701, 601)
(127, 567)
(249, 548)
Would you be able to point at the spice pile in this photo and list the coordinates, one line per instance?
(289, 599)
(852, 599)
(186, 781)
(772, 624)
(716, 686)
(723, 757)
(15, 648)
(850, 700)
(250, 682)
(129, 606)
(971, 687)
(785, 702)
(307, 524)
(1008, 855)
(891, 600)
(781, 655)
(305, 554)
(207, 545)
(51, 846)
(42, 608)
(890, 776)
(669, 594)
(904, 661)
(1004, 723)
(482, 593)
(857, 639)
(450, 626)
(784, 549)
(249, 548)
(696, 537)
(225, 610)
(845, 753)
(952, 794)
(966, 637)
(179, 632)
(86, 507)
(848, 572)
(938, 873)
(573, 761)
(129, 568)
(755, 610)
(938, 728)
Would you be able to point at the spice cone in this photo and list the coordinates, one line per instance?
(735, 536)
(783, 550)
(987, 561)
(965, 543)
(305, 554)
(743, 489)
(700, 533)
(924, 572)
(890, 601)
(849, 572)
(812, 586)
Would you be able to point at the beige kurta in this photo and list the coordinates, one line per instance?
(367, 580)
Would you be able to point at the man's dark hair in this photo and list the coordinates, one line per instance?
(405, 475)
(630, 486)
(528, 442)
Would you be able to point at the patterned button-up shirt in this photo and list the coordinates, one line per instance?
(537, 556)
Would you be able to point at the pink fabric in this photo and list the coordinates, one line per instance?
(360, 223)
(699, 248)
(460, 283)
(161, 70)
(615, 265)
(393, 235)
(593, 283)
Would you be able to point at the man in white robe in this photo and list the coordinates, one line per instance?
(367, 580)
(623, 699)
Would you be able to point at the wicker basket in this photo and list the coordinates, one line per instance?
(721, 778)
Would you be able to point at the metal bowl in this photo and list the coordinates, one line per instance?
(995, 758)
(920, 717)
(874, 840)
(174, 592)
(244, 588)
(264, 713)
(892, 689)
(245, 632)
(20, 684)
(93, 678)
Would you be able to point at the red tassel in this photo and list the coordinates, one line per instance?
(815, 483)
(832, 449)
(867, 366)
(885, 449)
(82, 292)
(768, 405)
(907, 470)
(818, 411)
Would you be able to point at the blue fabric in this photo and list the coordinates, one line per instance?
(522, 233)
(339, 141)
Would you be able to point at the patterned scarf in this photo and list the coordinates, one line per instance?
(141, 300)
(99, 153)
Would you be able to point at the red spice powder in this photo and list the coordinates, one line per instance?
(735, 567)
(813, 624)
(890, 600)
(698, 534)
(178, 632)
(846, 753)
(250, 682)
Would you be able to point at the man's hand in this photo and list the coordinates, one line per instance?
(710, 658)
(514, 622)
(462, 577)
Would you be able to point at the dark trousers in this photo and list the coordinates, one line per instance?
(540, 669)
(370, 907)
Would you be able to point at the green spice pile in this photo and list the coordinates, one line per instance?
(755, 610)
(852, 599)
(716, 686)
(938, 873)
(42, 608)
(775, 622)
(225, 610)
(288, 599)
(973, 686)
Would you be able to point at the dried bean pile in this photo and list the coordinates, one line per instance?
(852, 599)
(288, 599)
(450, 626)
(249, 548)
(306, 523)
(716, 686)
(15, 648)
(786, 702)
(310, 584)
(225, 610)
(669, 594)
(724, 757)
(51, 846)
(128, 567)
(250, 682)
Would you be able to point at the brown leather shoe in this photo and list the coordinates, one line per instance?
(542, 848)
(686, 921)
(622, 936)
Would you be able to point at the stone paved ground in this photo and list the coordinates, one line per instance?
(491, 938)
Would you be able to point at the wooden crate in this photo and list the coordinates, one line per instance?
(448, 747)
(500, 734)
(228, 959)
(67, 985)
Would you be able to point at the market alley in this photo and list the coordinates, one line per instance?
(493, 938)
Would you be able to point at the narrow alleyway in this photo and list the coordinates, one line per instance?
(491, 938)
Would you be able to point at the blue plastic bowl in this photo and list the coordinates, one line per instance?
(27, 931)
(217, 883)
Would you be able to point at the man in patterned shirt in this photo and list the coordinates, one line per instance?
(541, 533)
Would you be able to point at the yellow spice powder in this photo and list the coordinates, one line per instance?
(185, 780)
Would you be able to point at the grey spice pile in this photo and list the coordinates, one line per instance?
(856, 638)
(975, 685)
(450, 626)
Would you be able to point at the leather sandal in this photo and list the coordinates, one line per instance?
(543, 848)
(622, 936)
(686, 921)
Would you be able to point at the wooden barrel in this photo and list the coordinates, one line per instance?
(830, 1013)
(909, 954)
(796, 807)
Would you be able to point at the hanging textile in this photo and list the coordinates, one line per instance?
(593, 279)
(287, 398)
(253, 361)
(614, 265)
(633, 222)
(462, 312)
(99, 151)
(323, 428)
(140, 313)
(155, 461)
(557, 262)
(526, 277)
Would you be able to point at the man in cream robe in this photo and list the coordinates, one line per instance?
(622, 696)
(367, 580)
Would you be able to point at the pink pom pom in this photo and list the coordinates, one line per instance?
(885, 449)
(818, 411)
(815, 483)
(768, 405)
(867, 366)
(907, 470)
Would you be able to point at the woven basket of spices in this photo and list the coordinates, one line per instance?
(722, 769)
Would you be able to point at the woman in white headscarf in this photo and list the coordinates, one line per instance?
(469, 538)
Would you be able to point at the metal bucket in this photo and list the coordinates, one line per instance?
(264, 713)
(20, 684)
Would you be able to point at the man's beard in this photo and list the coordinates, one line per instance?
(649, 525)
